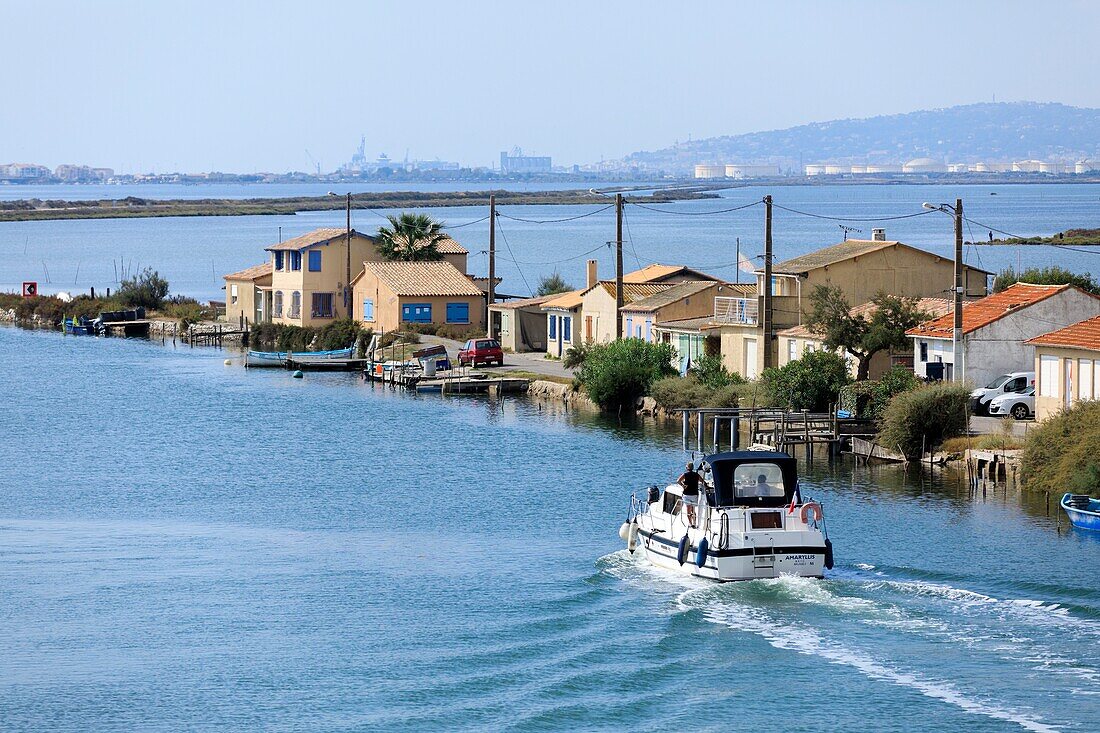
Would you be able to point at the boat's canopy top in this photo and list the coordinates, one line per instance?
(752, 478)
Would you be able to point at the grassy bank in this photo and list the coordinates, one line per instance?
(39, 210)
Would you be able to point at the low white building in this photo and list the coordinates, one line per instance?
(995, 329)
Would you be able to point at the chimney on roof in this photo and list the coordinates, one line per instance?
(878, 235)
(591, 279)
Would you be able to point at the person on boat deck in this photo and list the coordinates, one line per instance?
(690, 480)
(762, 488)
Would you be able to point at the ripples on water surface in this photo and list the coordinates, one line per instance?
(185, 545)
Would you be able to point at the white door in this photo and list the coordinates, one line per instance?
(750, 359)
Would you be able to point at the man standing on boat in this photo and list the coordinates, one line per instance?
(689, 479)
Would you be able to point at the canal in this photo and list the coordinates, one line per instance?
(187, 545)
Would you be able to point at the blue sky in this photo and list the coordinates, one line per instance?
(246, 86)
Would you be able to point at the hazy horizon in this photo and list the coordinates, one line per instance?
(245, 87)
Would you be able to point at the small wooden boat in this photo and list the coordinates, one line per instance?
(272, 359)
(1083, 511)
(79, 326)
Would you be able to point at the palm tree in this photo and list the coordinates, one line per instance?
(411, 238)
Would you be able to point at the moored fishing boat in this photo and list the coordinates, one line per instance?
(271, 359)
(746, 522)
(1083, 511)
(81, 326)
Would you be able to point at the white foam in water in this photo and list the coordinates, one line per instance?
(805, 640)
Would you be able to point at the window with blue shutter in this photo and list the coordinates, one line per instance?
(295, 261)
(553, 327)
(315, 260)
(458, 313)
(567, 328)
(416, 313)
(368, 309)
(279, 261)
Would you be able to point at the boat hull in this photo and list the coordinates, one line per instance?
(1081, 518)
(733, 564)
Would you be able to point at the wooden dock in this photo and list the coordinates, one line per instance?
(325, 365)
(456, 381)
(126, 328)
(780, 430)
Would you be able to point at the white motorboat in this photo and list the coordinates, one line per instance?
(747, 522)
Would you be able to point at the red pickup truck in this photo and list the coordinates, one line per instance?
(481, 351)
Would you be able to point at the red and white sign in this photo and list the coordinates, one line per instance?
(30, 289)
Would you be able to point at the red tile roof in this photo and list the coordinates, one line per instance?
(1083, 335)
(422, 279)
(980, 313)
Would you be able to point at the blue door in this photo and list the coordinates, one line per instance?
(416, 313)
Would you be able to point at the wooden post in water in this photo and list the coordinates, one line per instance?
(699, 431)
(714, 440)
(686, 419)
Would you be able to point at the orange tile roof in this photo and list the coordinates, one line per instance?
(422, 278)
(668, 296)
(449, 246)
(317, 236)
(934, 307)
(845, 250)
(251, 273)
(632, 291)
(980, 313)
(657, 272)
(565, 301)
(524, 302)
(1083, 335)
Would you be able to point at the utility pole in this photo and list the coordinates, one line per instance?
(492, 264)
(766, 320)
(737, 268)
(618, 265)
(347, 281)
(957, 331)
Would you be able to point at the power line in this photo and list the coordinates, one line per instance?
(630, 238)
(513, 256)
(1032, 244)
(567, 259)
(854, 218)
(554, 221)
(470, 223)
(694, 213)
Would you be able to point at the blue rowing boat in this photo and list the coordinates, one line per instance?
(278, 358)
(1083, 511)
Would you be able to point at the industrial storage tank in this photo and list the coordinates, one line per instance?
(1027, 166)
(859, 169)
(924, 165)
(883, 168)
(1086, 166)
(836, 170)
(751, 170)
(710, 171)
(815, 169)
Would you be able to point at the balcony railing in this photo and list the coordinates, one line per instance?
(737, 310)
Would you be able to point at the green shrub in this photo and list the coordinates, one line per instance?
(869, 398)
(922, 419)
(282, 337)
(1053, 275)
(618, 373)
(453, 331)
(146, 289)
(53, 310)
(1063, 453)
(575, 355)
(673, 392)
(712, 372)
(810, 383)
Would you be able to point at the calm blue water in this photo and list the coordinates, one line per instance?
(193, 253)
(190, 546)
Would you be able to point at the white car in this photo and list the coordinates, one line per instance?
(1020, 405)
(1006, 384)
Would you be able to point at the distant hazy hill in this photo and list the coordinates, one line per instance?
(1002, 131)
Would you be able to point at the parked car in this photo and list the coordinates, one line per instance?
(1020, 405)
(481, 351)
(1013, 383)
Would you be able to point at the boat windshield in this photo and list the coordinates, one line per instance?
(752, 480)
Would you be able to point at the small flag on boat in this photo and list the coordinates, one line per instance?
(794, 502)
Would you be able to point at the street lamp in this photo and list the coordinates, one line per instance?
(957, 291)
(347, 279)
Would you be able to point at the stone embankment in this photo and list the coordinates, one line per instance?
(557, 392)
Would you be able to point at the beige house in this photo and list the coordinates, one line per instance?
(248, 295)
(309, 273)
(521, 324)
(562, 312)
(798, 340)
(599, 311)
(1067, 367)
(658, 273)
(391, 295)
(690, 299)
(860, 268)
